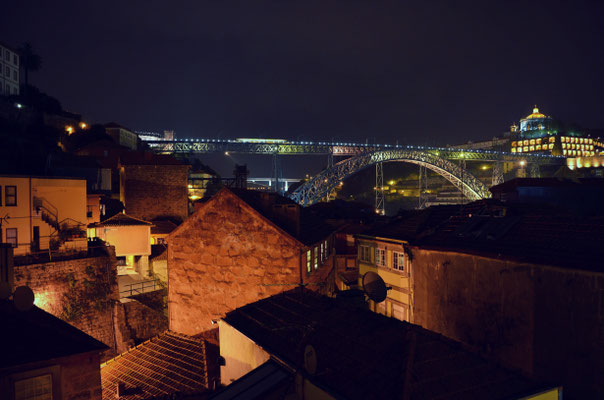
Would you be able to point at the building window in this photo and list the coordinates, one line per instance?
(15, 74)
(11, 236)
(308, 261)
(322, 253)
(15, 59)
(316, 257)
(398, 261)
(36, 388)
(365, 253)
(10, 196)
(7, 72)
(380, 257)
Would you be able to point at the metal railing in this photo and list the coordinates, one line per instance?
(141, 287)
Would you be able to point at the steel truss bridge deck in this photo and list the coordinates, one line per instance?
(208, 146)
(440, 161)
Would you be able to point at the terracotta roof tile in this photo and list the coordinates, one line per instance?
(168, 364)
(121, 219)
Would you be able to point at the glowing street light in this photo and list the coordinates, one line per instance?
(522, 163)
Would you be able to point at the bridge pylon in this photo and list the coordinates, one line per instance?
(379, 189)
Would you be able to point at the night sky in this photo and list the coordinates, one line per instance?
(420, 72)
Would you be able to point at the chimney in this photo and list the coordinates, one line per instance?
(288, 216)
(6, 265)
(241, 172)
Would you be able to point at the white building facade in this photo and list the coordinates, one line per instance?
(9, 71)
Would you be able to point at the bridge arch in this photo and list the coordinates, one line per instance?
(322, 184)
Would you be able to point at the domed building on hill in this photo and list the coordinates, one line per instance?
(539, 133)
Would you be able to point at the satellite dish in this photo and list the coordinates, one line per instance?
(23, 298)
(374, 287)
(4, 290)
(310, 359)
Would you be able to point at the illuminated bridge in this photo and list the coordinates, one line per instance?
(450, 163)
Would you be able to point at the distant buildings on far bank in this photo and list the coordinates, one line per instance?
(9, 70)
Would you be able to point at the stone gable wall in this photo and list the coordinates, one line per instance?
(223, 257)
(545, 321)
(152, 191)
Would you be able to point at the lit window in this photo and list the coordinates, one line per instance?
(532, 148)
(308, 261)
(365, 253)
(551, 146)
(563, 145)
(538, 147)
(525, 148)
(513, 144)
(316, 257)
(513, 150)
(532, 141)
(38, 388)
(398, 261)
(322, 252)
(380, 257)
(10, 196)
(11, 236)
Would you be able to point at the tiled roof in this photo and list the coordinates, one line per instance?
(162, 226)
(168, 364)
(550, 239)
(364, 355)
(312, 227)
(121, 219)
(545, 182)
(36, 335)
(413, 223)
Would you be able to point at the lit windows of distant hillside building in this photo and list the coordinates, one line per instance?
(9, 71)
(539, 133)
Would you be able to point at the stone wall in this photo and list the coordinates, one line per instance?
(82, 292)
(225, 256)
(143, 322)
(81, 377)
(152, 191)
(546, 321)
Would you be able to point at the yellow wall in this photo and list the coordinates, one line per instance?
(68, 196)
(128, 240)
(553, 394)
(400, 281)
(241, 354)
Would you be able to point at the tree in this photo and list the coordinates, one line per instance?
(30, 61)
